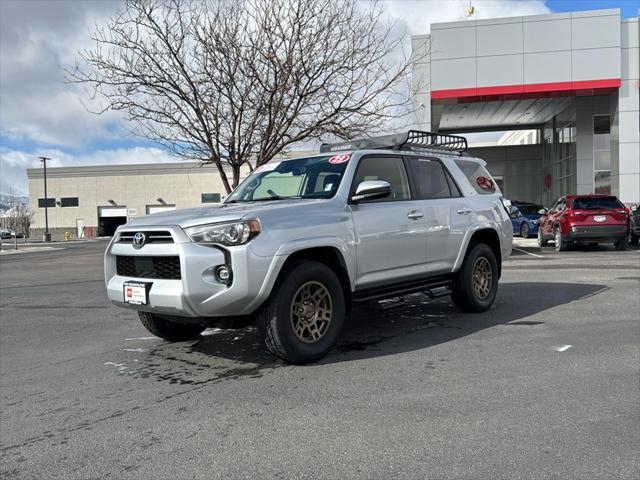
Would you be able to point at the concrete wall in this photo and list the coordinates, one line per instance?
(519, 165)
(130, 186)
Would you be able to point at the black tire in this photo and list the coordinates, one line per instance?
(276, 320)
(170, 331)
(621, 244)
(633, 238)
(561, 243)
(464, 294)
(541, 240)
(524, 230)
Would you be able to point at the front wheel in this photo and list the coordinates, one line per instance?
(475, 286)
(541, 241)
(633, 238)
(524, 230)
(170, 331)
(303, 318)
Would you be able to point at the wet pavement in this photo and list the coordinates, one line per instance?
(543, 385)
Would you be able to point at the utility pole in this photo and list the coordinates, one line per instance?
(46, 236)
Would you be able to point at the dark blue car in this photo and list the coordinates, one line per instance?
(524, 219)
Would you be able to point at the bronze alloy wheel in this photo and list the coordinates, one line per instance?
(482, 277)
(311, 309)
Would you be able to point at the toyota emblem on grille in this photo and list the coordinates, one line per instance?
(139, 239)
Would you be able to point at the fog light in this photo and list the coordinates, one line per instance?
(223, 273)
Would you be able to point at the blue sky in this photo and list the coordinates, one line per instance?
(628, 8)
(41, 114)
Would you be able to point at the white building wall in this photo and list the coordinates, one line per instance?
(626, 177)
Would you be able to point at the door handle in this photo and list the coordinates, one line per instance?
(464, 211)
(415, 214)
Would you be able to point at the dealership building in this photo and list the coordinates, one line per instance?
(573, 78)
(563, 87)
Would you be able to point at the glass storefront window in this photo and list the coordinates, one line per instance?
(602, 154)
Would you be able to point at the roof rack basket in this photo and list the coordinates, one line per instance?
(410, 140)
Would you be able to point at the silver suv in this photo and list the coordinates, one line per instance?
(302, 241)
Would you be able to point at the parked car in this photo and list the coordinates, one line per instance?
(588, 219)
(300, 241)
(634, 225)
(6, 233)
(524, 218)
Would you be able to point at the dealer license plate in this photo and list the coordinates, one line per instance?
(599, 218)
(135, 293)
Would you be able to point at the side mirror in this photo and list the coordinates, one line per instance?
(543, 211)
(371, 190)
(633, 208)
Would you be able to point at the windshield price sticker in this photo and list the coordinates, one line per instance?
(267, 167)
(336, 159)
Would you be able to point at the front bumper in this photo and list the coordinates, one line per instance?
(602, 233)
(197, 293)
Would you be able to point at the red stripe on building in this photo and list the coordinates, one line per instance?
(502, 92)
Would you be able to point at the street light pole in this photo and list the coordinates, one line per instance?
(46, 236)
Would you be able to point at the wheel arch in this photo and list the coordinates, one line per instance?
(488, 236)
(330, 256)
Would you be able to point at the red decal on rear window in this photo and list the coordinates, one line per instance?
(339, 159)
(485, 184)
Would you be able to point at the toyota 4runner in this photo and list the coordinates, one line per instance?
(301, 241)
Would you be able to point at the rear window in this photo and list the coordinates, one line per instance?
(596, 202)
(478, 176)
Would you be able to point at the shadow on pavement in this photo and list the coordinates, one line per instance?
(421, 323)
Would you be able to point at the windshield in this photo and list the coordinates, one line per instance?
(593, 203)
(314, 177)
(529, 209)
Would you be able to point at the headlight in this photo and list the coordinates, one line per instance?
(232, 233)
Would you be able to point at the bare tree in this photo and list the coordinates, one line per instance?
(236, 82)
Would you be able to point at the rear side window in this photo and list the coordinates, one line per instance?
(596, 202)
(478, 176)
(430, 178)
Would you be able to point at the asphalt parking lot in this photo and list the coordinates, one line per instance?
(543, 385)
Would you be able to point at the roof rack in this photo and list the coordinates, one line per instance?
(410, 140)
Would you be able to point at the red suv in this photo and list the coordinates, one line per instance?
(590, 219)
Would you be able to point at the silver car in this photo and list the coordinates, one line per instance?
(300, 242)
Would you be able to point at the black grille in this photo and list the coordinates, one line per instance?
(167, 268)
(155, 236)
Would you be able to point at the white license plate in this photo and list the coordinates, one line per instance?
(135, 293)
(600, 218)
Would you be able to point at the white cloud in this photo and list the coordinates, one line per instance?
(39, 40)
(418, 15)
(13, 163)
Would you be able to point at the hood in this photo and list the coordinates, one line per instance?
(532, 216)
(225, 212)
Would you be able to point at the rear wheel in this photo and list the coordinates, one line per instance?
(621, 244)
(524, 230)
(303, 318)
(561, 243)
(476, 284)
(541, 241)
(170, 331)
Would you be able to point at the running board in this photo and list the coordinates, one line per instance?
(429, 285)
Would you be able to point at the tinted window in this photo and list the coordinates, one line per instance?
(430, 178)
(210, 198)
(478, 176)
(46, 202)
(69, 202)
(388, 169)
(596, 202)
(529, 209)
